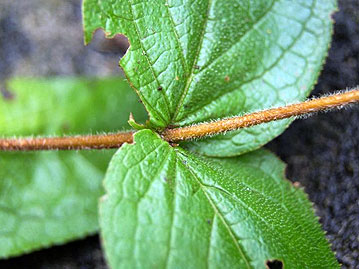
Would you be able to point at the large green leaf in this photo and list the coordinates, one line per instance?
(59, 106)
(167, 208)
(51, 197)
(192, 61)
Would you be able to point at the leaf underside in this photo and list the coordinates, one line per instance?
(193, 61)
(51, 197)
(167, 208)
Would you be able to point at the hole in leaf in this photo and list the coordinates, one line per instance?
(115, 45)
(274, 264)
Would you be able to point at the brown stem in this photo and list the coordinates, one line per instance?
(183, 133)
(230, 124)
(106, 141)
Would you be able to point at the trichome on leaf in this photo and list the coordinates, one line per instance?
(185, 206)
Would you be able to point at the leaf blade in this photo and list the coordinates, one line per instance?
(51, 197)
(53, 202)
(214, 59)
(169, 208)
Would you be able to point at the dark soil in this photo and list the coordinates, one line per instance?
(43, 37)
(322, 152)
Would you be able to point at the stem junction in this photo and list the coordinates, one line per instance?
(108, 141)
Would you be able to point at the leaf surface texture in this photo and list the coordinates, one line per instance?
(192, 61)
(51, 197)
(168, 208)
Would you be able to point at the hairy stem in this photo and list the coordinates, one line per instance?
(230, 124)
(106, 141)
(183, 133)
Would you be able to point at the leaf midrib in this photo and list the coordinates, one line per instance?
(149, 63)
(217, 212)
(192, 75)
(260, 218)
(243, 83)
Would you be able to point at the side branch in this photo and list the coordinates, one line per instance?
(230, 124)
(183, 133)
(106, 141)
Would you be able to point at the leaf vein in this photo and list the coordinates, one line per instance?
(210, 240)
(172, 220)
(260, 20)
(147, 58)
(176, 36)
(159, 170)
(241, 84)
(190, 77)
(219, 214)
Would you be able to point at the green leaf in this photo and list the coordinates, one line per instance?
(167, 208)
(51, 197)
(192, 61)
(60, 106)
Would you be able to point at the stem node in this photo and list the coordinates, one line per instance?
(174, 135)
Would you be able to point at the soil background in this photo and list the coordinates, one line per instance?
(44, 38)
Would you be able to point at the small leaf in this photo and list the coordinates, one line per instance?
(167, 208)
(214, 59)
(51, 197)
